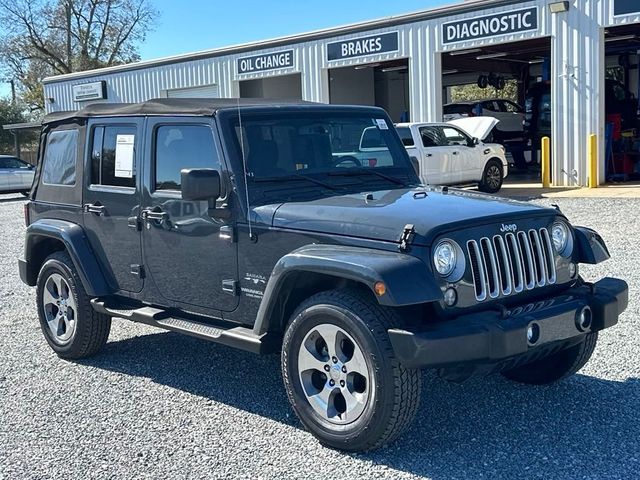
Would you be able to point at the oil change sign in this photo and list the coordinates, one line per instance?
(360, 47)
(515, 21)
(267, 61)
(625, 7)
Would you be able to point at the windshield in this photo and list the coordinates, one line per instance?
(323, 147)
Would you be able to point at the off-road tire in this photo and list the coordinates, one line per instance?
(91, 328)
(489, 183)
(557, 366)
(394, 396)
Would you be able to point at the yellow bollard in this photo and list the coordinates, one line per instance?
(545, 145)
(592, 155)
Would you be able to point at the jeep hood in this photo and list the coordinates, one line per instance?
(430, 210)
(477, 127)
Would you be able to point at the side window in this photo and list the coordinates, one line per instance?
(430, 137)
(455, 137)
(113, 156)
(59, 163)
(12, 162)
(179, 147)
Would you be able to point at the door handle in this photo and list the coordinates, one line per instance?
(154, 215)
(429, 155)
(456, 153)
(95, 208)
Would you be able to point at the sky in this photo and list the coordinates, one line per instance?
(185, 26)
(189, 25)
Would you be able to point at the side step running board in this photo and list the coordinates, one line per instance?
(237, 337)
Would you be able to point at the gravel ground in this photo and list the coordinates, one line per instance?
(155, 404)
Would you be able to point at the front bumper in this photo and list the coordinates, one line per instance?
(495, 336)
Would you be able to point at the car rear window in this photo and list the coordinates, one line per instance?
(59, 165)
(405, 136)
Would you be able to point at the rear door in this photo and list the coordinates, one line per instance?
(111, 199)
(5, 174)
(190, 262)
(511, 116)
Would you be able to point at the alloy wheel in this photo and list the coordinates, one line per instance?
(60, 309)
(335, 377)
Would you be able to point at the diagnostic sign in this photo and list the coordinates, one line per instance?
(361, 47)
(266, 61)
(515, 21)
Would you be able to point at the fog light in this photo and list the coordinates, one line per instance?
(533, 333)
(450, 297)
(572, 270)
(584, 319)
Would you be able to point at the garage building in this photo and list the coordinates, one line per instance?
(574, 63)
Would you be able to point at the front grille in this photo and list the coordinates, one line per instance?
(509, 264)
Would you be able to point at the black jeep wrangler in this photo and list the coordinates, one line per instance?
(264, 227)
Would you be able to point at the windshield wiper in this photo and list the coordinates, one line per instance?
(296, 176)
(351, 172)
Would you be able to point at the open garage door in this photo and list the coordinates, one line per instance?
(511, 82)
(384, 85)
(282, 87)
(622, 90)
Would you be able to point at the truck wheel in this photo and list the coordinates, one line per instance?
(341, 375)
(70, 325)
(492, 177)
(555, 367)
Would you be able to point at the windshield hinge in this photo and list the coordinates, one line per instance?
(407, 237)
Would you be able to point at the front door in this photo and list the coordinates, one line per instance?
(435, 157)
(462, 155)
(185, 255)
(111, 199)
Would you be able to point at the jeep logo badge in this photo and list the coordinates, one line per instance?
(509, 228)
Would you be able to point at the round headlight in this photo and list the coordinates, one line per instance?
(444, 258)
(560, 235)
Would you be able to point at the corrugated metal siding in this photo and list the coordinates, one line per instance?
(577, 73)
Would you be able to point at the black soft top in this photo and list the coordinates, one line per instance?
(167, 106)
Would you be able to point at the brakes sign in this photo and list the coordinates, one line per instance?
(360, 47)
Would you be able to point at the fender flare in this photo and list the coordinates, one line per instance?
(408, 280)
(590, 246)
(77, 245)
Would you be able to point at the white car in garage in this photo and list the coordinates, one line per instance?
(510, 114)
(453, 153)
(16, 176)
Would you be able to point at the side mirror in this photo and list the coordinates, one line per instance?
(475, 141)
(200, 184)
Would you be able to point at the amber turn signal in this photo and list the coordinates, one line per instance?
(380, 288)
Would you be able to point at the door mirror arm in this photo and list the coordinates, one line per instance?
(222, 212)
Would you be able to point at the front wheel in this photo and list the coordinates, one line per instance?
(492, 177)
(341, 375)
(557, 366)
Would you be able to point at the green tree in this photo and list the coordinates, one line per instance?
(13, 113)
(461, 93)
(39, 38)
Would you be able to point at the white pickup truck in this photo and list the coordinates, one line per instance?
(453, 153)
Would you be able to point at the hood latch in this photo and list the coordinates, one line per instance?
(407, 237)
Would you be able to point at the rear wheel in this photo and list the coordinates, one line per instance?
(555, 367)
(341, 375)
(492, 177)
(69, 324)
